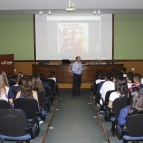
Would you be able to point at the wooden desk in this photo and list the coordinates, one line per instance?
(64, 72)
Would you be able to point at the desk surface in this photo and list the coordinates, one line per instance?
(64, 72)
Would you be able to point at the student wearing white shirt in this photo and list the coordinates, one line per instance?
(121, 90)
(107, 85)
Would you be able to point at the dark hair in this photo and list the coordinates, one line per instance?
(12, 80)
(130, 75)
(117, 75)
(101, 75)
(42, 76)
(121, 86)
(113, 72)
(109, 76)
(51, 74)
(137, 100)
(19, 78)
(137, 77)
(97, 74)
(123, 70)
(36, 82)
(26, 87)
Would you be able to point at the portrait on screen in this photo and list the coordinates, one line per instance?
(72, 37)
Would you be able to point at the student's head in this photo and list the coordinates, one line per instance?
(2, 83)
(26, 87)
(116, 75)
(101, 75)
(137, 78)
(20, 74)
(121, 86)
(78, 58)
(113, 72)
(5, 78)
(36, 82)
(52, 74)
(129, 76)
(97, 74)
(137, 99)
(123, 70)
(108, 76)
(13, 80)
(42, 76)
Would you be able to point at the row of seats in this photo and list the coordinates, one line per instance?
(23, 121)
(133, 129)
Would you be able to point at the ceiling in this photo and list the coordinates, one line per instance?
(83, 7)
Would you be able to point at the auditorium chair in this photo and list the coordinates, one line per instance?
(133, 130)
(4, 104)
(42, 101)
(30, 107)
(14, 126)
(48, 94)
(113, 114)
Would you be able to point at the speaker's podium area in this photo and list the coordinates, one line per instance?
(64, 73)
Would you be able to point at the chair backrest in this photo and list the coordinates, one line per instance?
(118, 104)
(13, 122)
(135, 125)
(53, 83)
(41, 98)
(4, 104)
(14, 92)
(48, 91)
(108, 95)
(29, 106)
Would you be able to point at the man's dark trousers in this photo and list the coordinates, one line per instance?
(76, 83)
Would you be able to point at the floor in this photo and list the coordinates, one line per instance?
(74, 120)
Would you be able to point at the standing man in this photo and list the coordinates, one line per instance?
(77, 69)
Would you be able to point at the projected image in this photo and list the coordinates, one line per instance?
(72, 37)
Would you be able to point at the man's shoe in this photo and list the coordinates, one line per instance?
(79, 94)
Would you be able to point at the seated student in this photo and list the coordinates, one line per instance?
(107, 85)
(137, 81)
(135, 107)
(5, 92)
(27, 90)
(96, 78)
(129, 79)
(36, 82)
(52, 76)
(100, 79)
(20, 76)
(121, 90)
(98, 83)
(43, 78)
(14, 80)
(123, 72)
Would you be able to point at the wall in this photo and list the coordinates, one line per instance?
(128, 36)
(17, 36)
